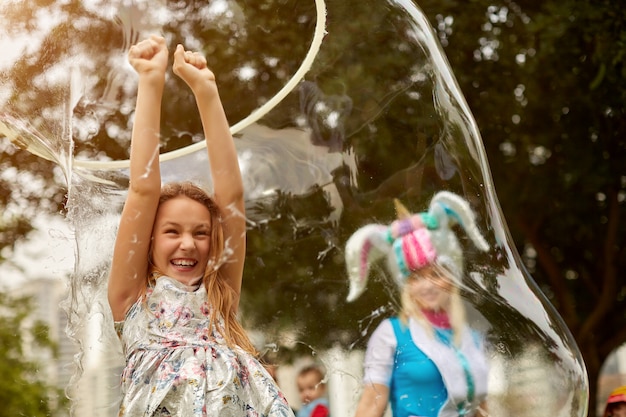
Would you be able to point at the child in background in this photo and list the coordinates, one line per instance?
(312, 390)
(178, 263)
(616, 403)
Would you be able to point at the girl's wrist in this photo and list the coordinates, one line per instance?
(153, 79)
(205, 88)
(155, 75)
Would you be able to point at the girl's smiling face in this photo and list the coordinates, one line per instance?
(430, 288)
(181, 239)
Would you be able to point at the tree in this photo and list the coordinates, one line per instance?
(544, 81)
(23, 388)
(546, 85)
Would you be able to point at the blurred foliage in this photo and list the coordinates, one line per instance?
(546, 84)
(24, 389)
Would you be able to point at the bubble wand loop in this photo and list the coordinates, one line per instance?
(320, 31)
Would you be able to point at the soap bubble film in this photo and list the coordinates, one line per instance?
(337, 108)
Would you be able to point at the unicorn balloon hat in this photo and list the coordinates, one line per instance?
(413, 242)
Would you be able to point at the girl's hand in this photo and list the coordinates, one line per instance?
(149, 56)
(192, 68)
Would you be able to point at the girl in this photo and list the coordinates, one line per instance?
(177, 266)
(426, 362)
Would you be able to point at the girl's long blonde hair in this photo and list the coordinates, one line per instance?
(456, 310)
(221, 296)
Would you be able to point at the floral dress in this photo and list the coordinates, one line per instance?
(177, 366)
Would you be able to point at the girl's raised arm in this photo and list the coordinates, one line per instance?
(225, 171)
(129, 267)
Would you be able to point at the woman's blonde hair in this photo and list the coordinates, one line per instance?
(456, 310)
(220, 295)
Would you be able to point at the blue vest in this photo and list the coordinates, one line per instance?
(417, 388)
(434, 378)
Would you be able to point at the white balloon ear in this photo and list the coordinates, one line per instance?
(459, 211)
(367, 245)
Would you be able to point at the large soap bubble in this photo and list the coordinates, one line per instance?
(338, 108)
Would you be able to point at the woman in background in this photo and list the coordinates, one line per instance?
(426, 361)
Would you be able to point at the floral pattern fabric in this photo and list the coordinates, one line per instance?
(177, 366)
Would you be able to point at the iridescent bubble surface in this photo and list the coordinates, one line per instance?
(337, 108)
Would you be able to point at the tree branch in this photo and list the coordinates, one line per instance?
(609, 277)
